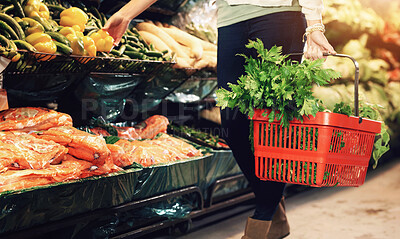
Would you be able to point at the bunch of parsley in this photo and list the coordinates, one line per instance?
(271, 81)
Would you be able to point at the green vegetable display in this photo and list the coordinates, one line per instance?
(204, 137)
(274, 82)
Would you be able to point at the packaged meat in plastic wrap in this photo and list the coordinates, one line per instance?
(29, 119)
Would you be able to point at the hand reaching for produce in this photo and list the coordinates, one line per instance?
(116, 26)
(317, 44)
(118, 23)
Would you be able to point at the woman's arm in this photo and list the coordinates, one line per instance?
(119, 21)
(317, 44)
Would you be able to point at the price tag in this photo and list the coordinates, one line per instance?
(3, 100)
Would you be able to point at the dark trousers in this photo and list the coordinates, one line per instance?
(282, 29)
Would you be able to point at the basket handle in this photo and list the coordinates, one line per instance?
(356, 77)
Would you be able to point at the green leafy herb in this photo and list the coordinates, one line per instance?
(111, 139)
(369, 111)
(342, 108)
(271, 81)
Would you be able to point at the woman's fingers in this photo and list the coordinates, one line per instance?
(317, 44)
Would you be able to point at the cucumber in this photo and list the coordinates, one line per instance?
(13, 46)
(13, 24)
(132, 38)
(134, 44)
(115, 52)
(130, 33)
(95, 12)
(8, 8)
(4, 42)
(92, 31)
(135, 55)
(4, 26)
(23, 24)
(54, 7)
(121, 50)
(5, 33)
(21, 44)
(59, 38)
(17, 8)
(153, 54)
(64, 49)
(131, 48)
(103, 19)
(46, 25)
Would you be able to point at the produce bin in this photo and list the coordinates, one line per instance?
(27, 208)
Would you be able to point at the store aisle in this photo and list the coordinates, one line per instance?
(371, 211)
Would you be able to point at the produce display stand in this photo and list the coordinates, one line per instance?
(96, 202)
(84, 207)
(88, 207)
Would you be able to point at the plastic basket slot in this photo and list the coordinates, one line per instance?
(351, 142)
(295, 137)
(344, 175)
(284, 170)
(329, 176)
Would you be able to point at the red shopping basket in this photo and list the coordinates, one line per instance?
(326, 150)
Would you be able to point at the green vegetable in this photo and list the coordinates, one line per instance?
(207, 138)
(59, 38)
(342, 108)
(111, 139)
(271, 81)
(4, 26)
(18, 9)
(369, 111)
(21, 44)
(13, 24)
(63, 49)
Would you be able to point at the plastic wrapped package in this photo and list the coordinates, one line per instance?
(154, 181)
(24, 151)
(44, 204)
(27, 119)
(104, 94)
(198, 18)
(26, 208)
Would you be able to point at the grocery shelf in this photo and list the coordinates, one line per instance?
(119, 65)
(42, 63)
(149, 225)
(45, 63)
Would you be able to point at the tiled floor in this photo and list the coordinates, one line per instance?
(371, 211)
